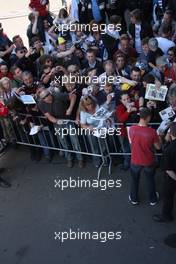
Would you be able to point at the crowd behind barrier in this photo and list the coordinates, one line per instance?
(104, 146)
(90, 72)
(81, 61)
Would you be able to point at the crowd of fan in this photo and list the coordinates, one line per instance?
(142, 52)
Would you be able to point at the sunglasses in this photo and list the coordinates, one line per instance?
(22, 51)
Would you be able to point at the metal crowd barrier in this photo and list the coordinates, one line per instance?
(68, 138)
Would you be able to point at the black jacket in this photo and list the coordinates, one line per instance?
(85, 10)
(146, 30)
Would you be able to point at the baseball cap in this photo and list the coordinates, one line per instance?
(61, 40)
(125, 87)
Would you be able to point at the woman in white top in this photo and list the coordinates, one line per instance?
(88, 107)
(5, 94)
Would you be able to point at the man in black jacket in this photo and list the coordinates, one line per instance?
(139, 29)
(92, 62)
(91, 10)
(169, 166)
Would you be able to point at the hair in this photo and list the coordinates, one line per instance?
(173, 129)
(119, 55)
(173, 49)
(148, 78)
(167, 29)
(145, 41)
(72, 67)
(87, 71)
(15, 37)
(123, 93)
(63, 13)
(27, 73)
(31, 16)
(86, 100)
(44, 58)
(44, 67)
(13, 69)
(137, 14)
(2, 80)
(79, 48)
(169, 12)
(92, 26)
(34, 39)
(136, 69)
(124, 37)
(3, 64)
(145, 113)
(108, 62)
(108, 84)
(90, 51)
(115, 19)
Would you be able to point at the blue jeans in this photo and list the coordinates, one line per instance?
(95, 148)
(68, 141)
(149, 172)
(125, 145)
(43, 139)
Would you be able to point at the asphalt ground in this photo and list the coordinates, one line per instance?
(32, 210)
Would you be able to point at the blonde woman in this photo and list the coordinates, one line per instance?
(5, 94)
(87, 108)
(6, 89)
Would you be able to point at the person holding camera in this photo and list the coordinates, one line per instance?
(41, 8)
(126, 112)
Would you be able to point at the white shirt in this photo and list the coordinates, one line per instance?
(74, 10)
(86, 118)
(138, 38)
(164, 44)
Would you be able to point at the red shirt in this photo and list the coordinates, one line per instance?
(123, 116)
(40, 6)
(142, 142)
(170, 73)
(8, 75)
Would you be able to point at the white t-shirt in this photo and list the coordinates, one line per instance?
(164, 44)
(85, 118)
(138, 38)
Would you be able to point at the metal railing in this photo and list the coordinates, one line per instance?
(69, 138)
